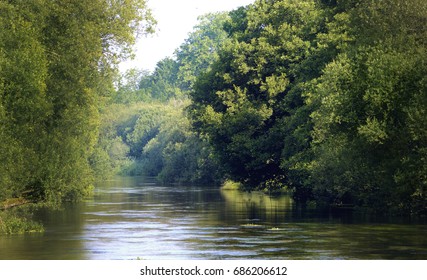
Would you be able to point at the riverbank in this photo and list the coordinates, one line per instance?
(16, 217)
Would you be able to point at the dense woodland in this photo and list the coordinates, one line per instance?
(327, 99)
(57, 65)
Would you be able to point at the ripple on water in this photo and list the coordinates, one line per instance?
(135, 218)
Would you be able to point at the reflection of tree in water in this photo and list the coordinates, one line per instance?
(133, 217)
(60, 240)
(254, 206)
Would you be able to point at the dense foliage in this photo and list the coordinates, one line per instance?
(327, 98)
(153, 138)
(250, 105)
(57, 60)
(145, 129)
(369, 123)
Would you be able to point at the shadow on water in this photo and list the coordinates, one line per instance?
(131, 218)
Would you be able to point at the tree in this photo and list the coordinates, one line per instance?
(369, 151)
(56, 58)
(164, 80)
(250, 103)
(23, 104)
(200, 49)
(157, 131)
(129, 89)
(176, 154)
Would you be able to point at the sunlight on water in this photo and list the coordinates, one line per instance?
(131, 218)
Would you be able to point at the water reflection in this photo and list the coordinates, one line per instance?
(59, 241)
(132, 218)
(255, 206)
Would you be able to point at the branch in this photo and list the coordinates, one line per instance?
(13, 202)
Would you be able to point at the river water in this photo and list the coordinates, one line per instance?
(135, 218)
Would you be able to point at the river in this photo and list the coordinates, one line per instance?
(135, 218)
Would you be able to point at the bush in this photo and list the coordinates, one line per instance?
(12, 223)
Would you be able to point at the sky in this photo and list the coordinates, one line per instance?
(176, 19)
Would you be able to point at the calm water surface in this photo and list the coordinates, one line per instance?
(130, 218)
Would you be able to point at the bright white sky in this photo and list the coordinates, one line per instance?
(176, 18)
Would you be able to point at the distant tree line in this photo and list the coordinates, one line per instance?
(145, 129)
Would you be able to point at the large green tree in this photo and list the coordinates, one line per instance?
(250, 104)
(57, 59)
(326, 97)
(369, 132)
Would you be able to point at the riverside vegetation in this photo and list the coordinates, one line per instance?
(325, 98)
(57, 63)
